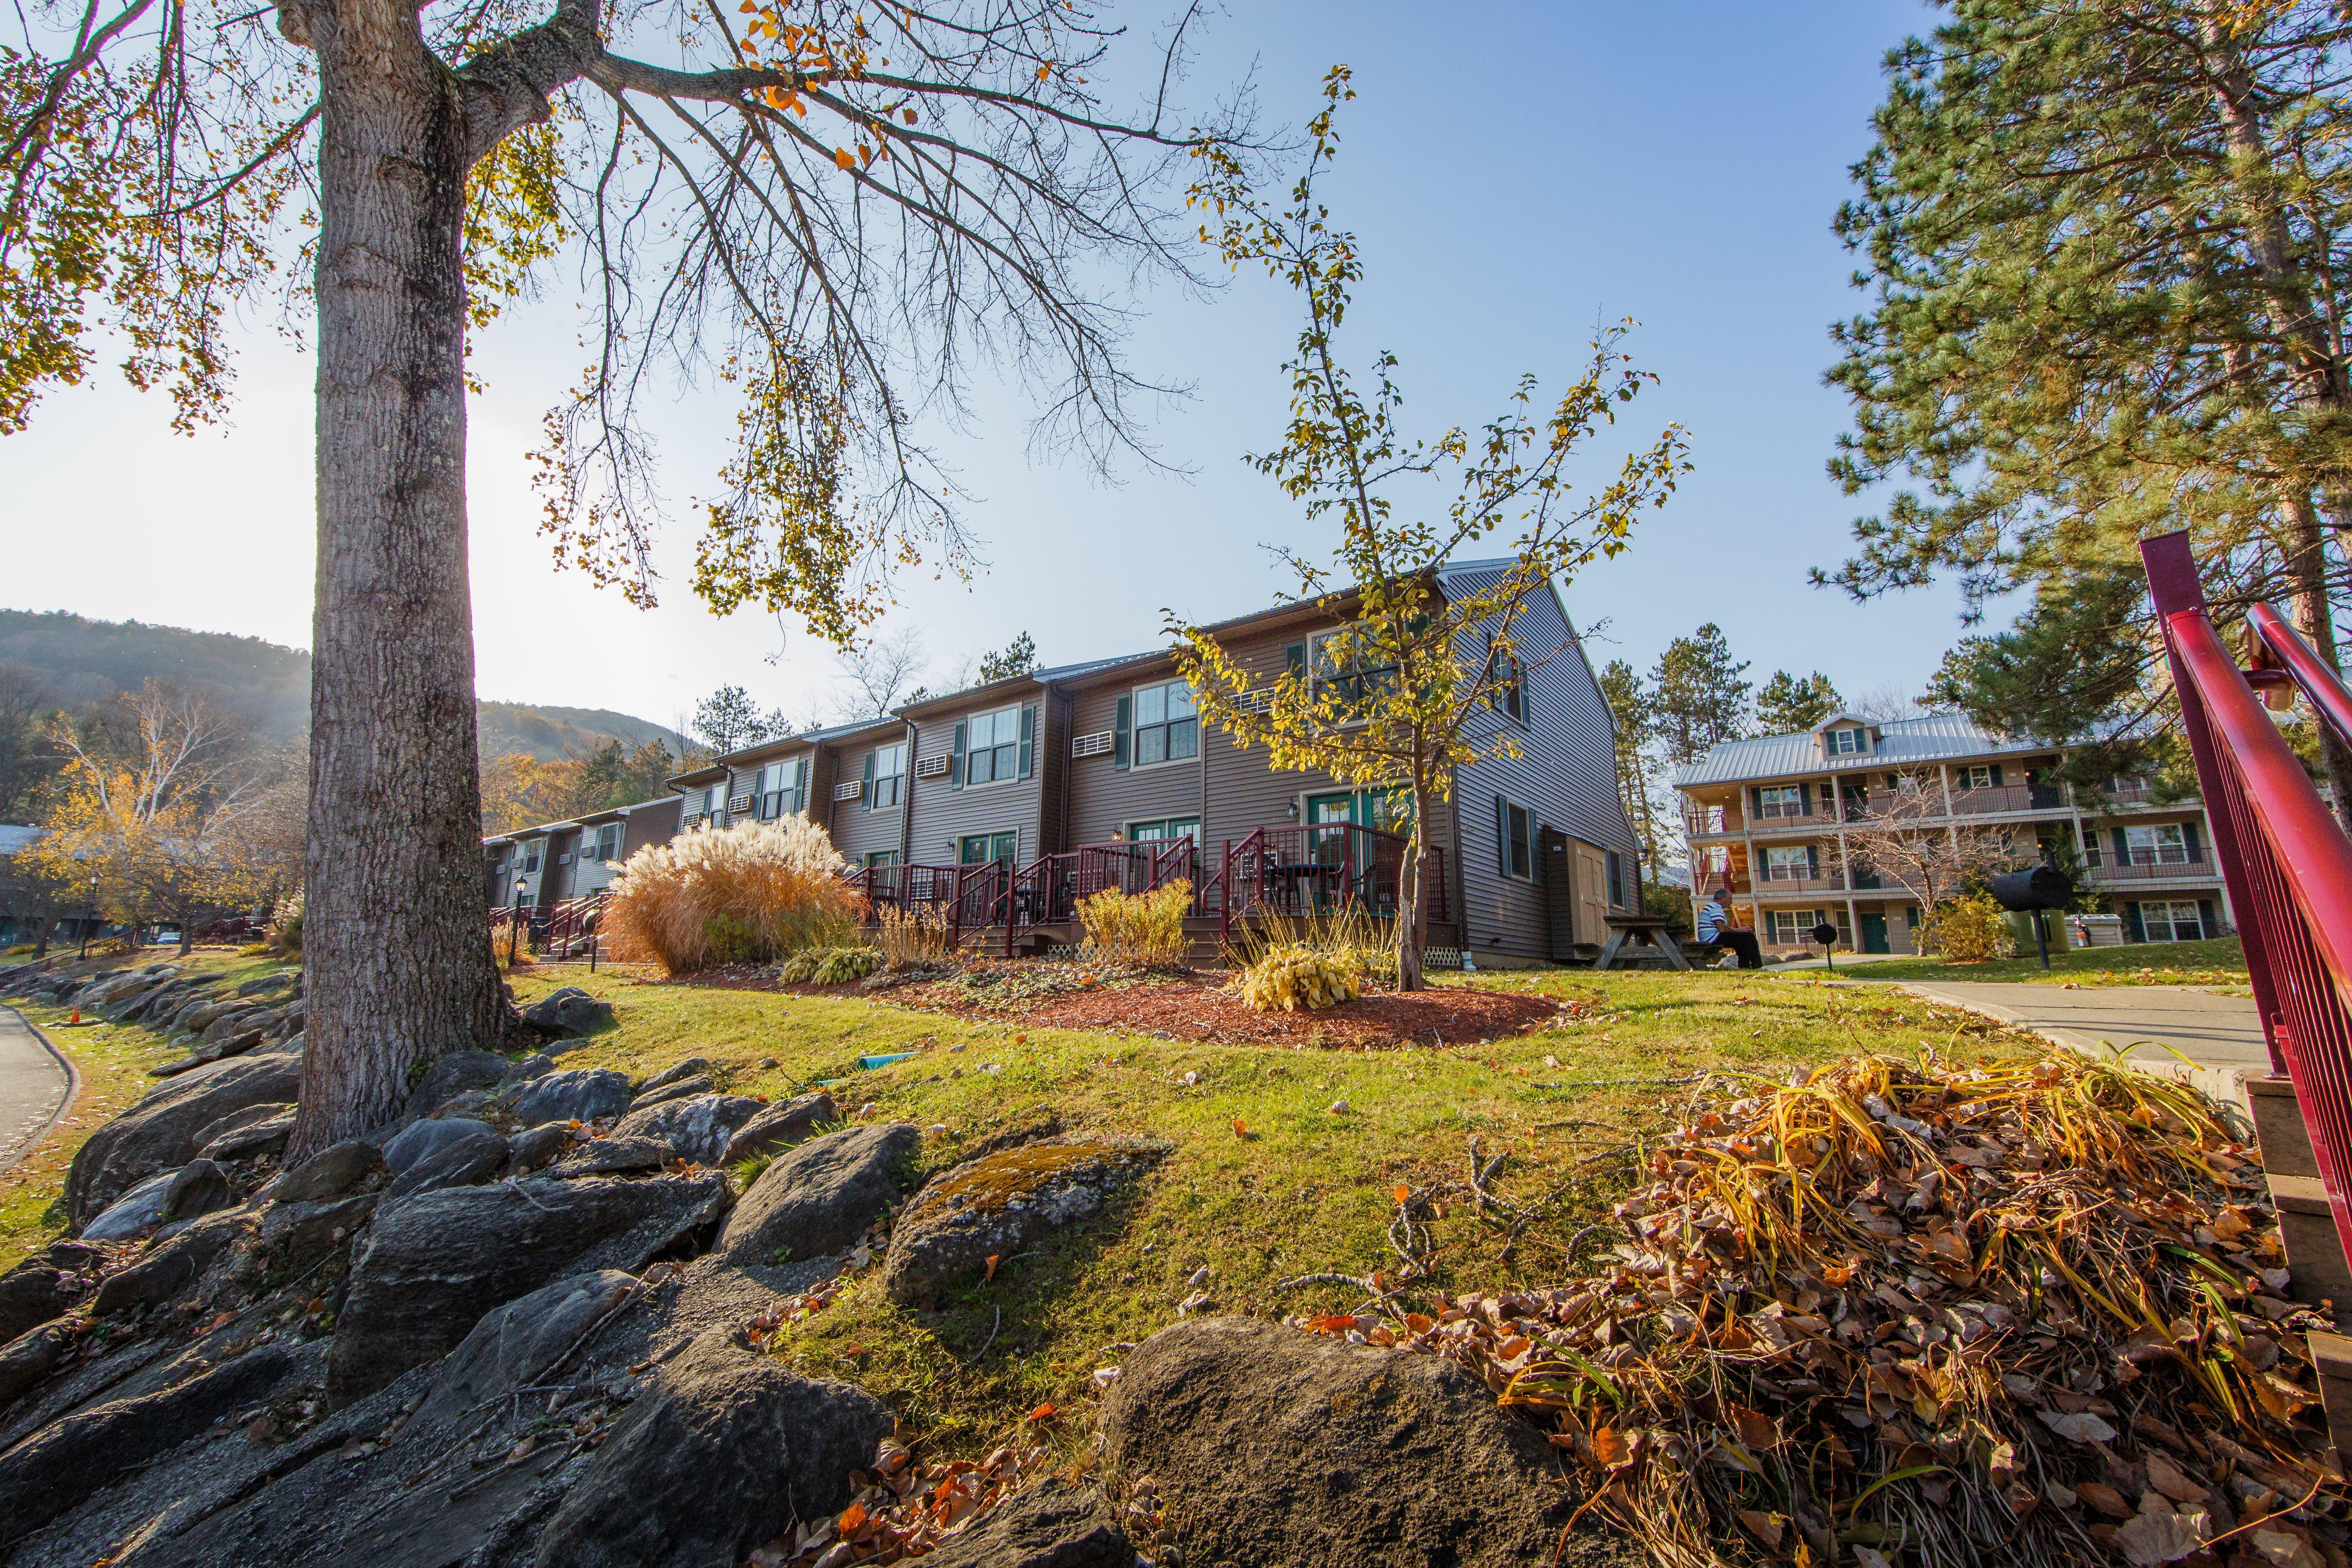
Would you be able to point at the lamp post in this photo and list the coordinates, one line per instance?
(90, 920)
(514, 921)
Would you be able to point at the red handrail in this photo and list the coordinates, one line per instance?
(2287, 861)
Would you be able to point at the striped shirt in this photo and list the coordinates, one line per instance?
(1710, 920)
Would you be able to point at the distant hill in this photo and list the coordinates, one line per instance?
(83, 661)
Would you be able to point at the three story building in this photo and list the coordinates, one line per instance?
(1772, 818)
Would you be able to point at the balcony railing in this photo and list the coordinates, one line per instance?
(2162, 864)
(2008, 797)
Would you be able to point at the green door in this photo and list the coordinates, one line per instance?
(1874, 934)
(981, 847)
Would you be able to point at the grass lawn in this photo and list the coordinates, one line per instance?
(1264, 1180)
(2221, 962)
(112, 1059)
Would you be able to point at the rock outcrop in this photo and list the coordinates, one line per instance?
(995, 1206)
(819, 1198)
(160, 1133)
(697, 1126)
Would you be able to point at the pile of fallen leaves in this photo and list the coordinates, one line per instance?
(1893, 1313)
(902, 1508)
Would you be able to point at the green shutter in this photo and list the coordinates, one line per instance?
(1502, 837)
(1996, 775)
(1028, 740)
(2189, 837)
(2132, 926)
(1295, 656)
(1122, 733)
(955, 758)
(2204, 917)
(1812, 860)
(2123, 850)
(867, 793)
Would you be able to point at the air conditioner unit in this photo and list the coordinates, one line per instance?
(737, 804)
(1097, 744)
(932, 767)
(1258, 701)
(849, 790)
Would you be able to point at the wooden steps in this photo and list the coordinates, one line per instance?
(2319, 1275)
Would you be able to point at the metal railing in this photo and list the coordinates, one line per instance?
(1317, 869)
(2287, 861)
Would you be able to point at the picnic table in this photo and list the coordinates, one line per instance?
(1640, 930)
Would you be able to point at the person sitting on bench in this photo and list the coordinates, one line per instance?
(1714, 930)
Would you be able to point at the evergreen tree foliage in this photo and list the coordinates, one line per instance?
(1641, 780)
(1018, 657)
(1697, 696)
(1789, 703)
(2104, 242)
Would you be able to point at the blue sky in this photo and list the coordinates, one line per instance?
(1516, 172)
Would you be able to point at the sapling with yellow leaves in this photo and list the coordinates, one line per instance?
(1405, 692)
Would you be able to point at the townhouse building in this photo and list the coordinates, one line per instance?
(540, 867)
(1774, 819)
(1054, 773)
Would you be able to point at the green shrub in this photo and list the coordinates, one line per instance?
(829, 965)
(1968, 931)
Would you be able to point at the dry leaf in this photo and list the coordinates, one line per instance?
(2281, 1549)
(2083, 1427)
(2160, 1536)
(1402, 1194)
(851, 1517)
(1610, 1446)
(1766, 1528)
(2167, 1477)
(2103, 1497)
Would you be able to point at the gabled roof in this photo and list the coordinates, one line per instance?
(1902, 743)
(1842, 717)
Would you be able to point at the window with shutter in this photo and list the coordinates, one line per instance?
(992, 746)
(1121, 742)
(1166, 727)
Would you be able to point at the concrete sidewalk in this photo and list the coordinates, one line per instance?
(2222, 1035)
(34, 1087)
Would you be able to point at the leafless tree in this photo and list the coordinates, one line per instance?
(1904, 838)
(880, 671)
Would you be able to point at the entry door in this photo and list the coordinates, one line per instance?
(1874, 934)
(981, 847)
(1592, 894)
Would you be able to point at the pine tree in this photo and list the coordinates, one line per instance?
(1697, 698)
(1640, 780)
(1788, 704)
(2101, 241)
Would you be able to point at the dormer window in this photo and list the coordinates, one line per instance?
(1853, 741)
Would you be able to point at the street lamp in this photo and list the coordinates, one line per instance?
(514, 921)
(92, 920)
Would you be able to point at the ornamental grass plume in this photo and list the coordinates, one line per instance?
(748, 893)
(1138, 928)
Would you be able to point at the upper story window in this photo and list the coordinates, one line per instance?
(1846, 742)
(888, 769)
(779, 787)
(1781, 800)
(1347, 674)
(603, 842)
(530, 856)
(1166, 729)
(714, 799)
(1514, 841)
(1977, 776)
(992, 746)
(1509, 696)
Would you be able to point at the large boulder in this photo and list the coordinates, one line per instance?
(329, 1174)
(453, 1074)
(171, 1266)
(250, 1133)
(435, 1263)
(463, 1162)
(197, 1188)
(568, 1013)
(727, 1449)
(511, 1347)
(1051, 1525)
(160, 1133)
(676, 1088)
(67, 1460)
(996, 1206)
(43, 1287)
(819, 1198)
(135, 1213)
(1273, 1446)
(421, 1141)
(780, 1126)
(32, 1355)
(611, 1155)
(578, 1094)
(700, 1126)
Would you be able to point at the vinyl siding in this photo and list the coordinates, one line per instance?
(656, 822)
(944, 814)
(1106, 799)
(857, 830)
(1566, 777)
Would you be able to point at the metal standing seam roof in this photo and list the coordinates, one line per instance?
(1936, 738)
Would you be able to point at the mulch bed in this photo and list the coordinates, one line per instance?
(1186, 1005)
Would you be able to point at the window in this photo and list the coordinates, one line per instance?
(1514, 840)
(1161, 831)
(1788, 863)
(2163, 845)
(1357, 680)
(1978, 777)
(980, 849)
(992, 746)
(1847, 742)
(1796, 926)
(530, 858)
(881, 858)
(2177, 920)
(714, 800)
(606, 843)
(1509, 696)
(1781, 800)
(887, 777)
(1617, 899)
(1166, 731)
(780, 787)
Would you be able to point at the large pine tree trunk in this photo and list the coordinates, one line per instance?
(396, 949)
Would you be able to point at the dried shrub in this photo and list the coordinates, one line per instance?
(286, 926)
(1289, 978)
(1358, 942)
(748, 893)
(1138, 928)
(1968, 931)
(911, 939)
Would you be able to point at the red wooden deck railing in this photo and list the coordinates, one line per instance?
(2287, 861)
(1321, 867)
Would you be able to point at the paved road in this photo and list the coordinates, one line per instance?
(34, 1085)
(2222, 1034)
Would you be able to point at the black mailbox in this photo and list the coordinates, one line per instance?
(2041, 888)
